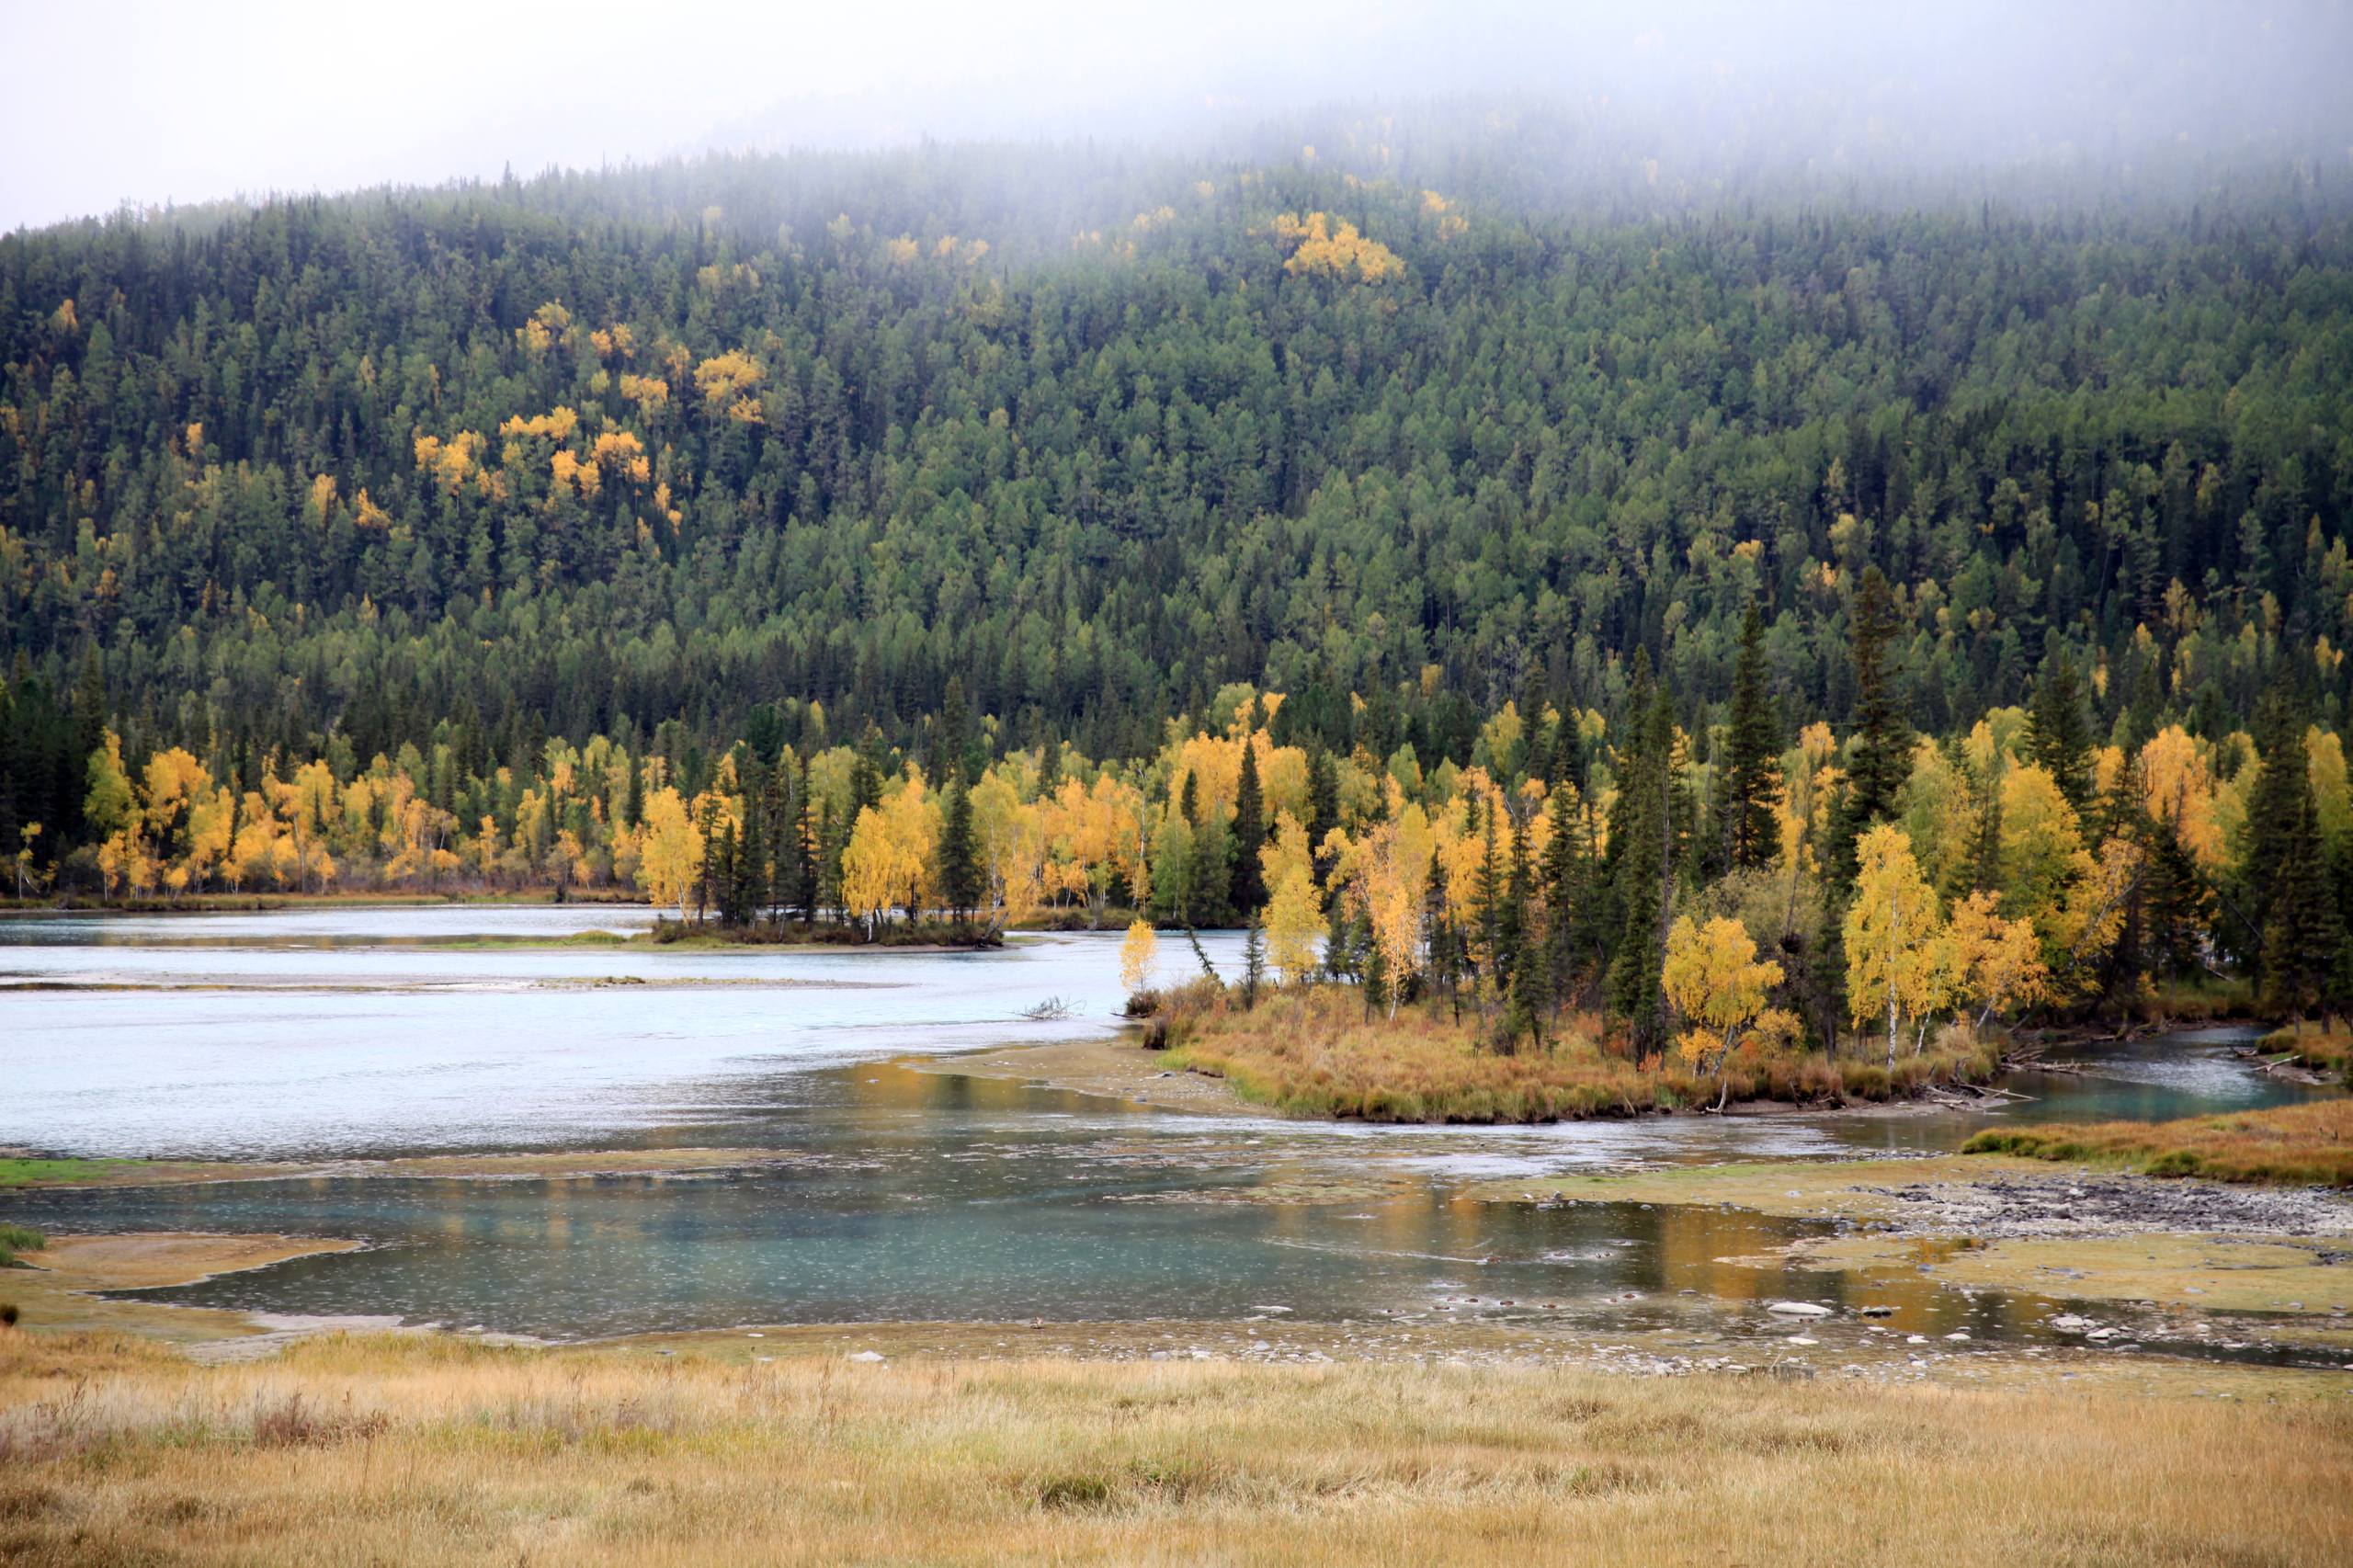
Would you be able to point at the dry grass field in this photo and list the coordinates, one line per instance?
(426, 1450)
(2311, 1143)
(1315, 1051)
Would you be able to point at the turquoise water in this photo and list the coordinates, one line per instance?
(909, 1195)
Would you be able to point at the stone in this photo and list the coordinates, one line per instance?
(869, 1356)
(1798, 1308)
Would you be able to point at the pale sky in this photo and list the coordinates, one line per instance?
(147, 102)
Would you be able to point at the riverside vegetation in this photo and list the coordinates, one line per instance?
(2291, 1143)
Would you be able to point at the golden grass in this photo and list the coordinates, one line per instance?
(423, 1450)
(2294, 1145)
(2321, 1050)
(1313, 1052)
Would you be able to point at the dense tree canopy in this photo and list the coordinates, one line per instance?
(715, 476)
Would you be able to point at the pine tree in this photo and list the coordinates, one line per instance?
(748, 883)
(1249, 832)
(807, 844)
(1445, 941)
(2281, 787)
(2174, 900)
(952, 733)
(1567, 763)
(1880, 760)
(1512, 928)
(1531, 990)
(1752, 756)
(1323, 806)
(2059, 733)
(960, 857)
(1644, 877)
(2303, 941)
(1486, 904)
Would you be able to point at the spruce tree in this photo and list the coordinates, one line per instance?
(1323, 806)
(748, 879)
(2274, 804)
(1880, 760)
(959, 857)
(1249, 832)
(1486, 906)
(1644, 877)
(2059, 732)
(1560, 888)
(1752, 756)
(807, 848)
(2303, 940)
(1530, 990)
(952, 733)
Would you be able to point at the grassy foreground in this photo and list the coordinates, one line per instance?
(2298, 1144)
(1313, 1052)
(414, 1450)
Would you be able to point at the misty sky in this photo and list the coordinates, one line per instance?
(149, 103)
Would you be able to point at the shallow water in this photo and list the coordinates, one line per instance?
(911, 1194)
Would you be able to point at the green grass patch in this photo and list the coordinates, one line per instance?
(63, 1172)
(14, 1239)
(2292, 1145)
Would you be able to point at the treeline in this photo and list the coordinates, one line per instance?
(1755, 881)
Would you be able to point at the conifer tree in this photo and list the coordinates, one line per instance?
(1323, 806)
(1880, 758)
(1562, 887)
(807, 845)
(1249, 834)
(960, 856)
(2303, 939)
(1644, 877)
(1253, 962)
(2059, 733)
(748, 879)
(1486, 903)
(2282, 786)
(1752, 770)
(952, 734)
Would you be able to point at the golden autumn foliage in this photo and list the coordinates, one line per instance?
(1315, 247)
(725, 379)
(1138, 949)
(1713, 977)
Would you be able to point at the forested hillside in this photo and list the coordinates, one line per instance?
(1405, 426)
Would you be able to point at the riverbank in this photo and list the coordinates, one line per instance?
(60, 1289)
(1318, 1050)
(405, 1448)
(2299, 1145)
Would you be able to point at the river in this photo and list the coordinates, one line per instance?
(909, 1194)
